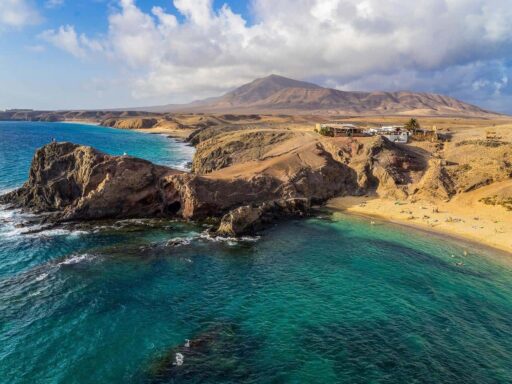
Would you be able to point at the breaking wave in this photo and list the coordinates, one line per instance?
(228, 240)
(78, 258)
(14, 223)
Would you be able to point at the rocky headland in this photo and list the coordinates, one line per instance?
(249, 170)
(244, 178)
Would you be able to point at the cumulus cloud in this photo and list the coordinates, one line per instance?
(350, 44)
(17, 13)
(68, 40)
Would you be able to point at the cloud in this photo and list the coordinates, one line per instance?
(17, 13)
(352, 44)
(66, 38)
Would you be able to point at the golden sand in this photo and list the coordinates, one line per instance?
(464, 217)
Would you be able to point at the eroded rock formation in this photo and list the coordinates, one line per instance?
(249, 219)
(244, 178)
(79, 182)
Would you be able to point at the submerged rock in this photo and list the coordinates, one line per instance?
(213, 355)
(177, 242)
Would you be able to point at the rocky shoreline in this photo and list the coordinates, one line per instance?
(69, 182)
(246, 174)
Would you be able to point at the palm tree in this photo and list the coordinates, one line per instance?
(412, 125)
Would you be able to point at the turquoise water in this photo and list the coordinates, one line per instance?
(18, 141)
(325, 300)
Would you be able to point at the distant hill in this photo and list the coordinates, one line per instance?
(278, 94)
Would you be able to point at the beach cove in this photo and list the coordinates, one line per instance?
(335, 297)
(466, 218)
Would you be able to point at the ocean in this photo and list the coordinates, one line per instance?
(329, 299)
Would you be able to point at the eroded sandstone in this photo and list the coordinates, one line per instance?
(245, 184)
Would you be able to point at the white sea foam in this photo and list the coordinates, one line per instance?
(179, 359)
(11, 233)
(6, 190)
(42, 276)
(179, 241)
(228, 240)
(183, 166)
(61, 232)
(36, 231)
(36, 293)
(14, 223)
(9, 220)
(183, 151)
(205, 236)
(75, 259)
(12, 214)
(4, 211)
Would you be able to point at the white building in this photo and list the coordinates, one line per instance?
(394, 133)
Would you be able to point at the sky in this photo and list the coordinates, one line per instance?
(70, 54)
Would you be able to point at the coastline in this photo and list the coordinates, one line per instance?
(451, 219)
(464, 217)
(455, 219)
(83, 122)
(178, 134)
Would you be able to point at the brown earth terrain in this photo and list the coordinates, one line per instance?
(251, 169)
(278, 94)
(273, 95)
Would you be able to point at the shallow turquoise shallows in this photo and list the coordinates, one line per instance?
(330, 299)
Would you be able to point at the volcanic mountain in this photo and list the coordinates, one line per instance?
(278, 94)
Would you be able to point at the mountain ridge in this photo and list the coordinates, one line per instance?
(276, 93)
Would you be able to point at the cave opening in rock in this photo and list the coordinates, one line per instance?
(173, 208)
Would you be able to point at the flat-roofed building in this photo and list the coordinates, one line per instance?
(340, 129)
(394, 133)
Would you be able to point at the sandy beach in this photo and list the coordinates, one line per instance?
(464, 217)
(163, 130)
(83, 122)
(171, 132)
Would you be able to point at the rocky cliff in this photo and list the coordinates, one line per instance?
(78, 182)
(243, 178)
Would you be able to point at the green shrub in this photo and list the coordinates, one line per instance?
(324, 131)
(412, 125)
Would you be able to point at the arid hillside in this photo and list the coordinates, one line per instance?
(277, 94)
(475, 153)
(250, 169)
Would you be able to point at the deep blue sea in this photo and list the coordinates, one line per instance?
(330, 299)
(18, 141)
